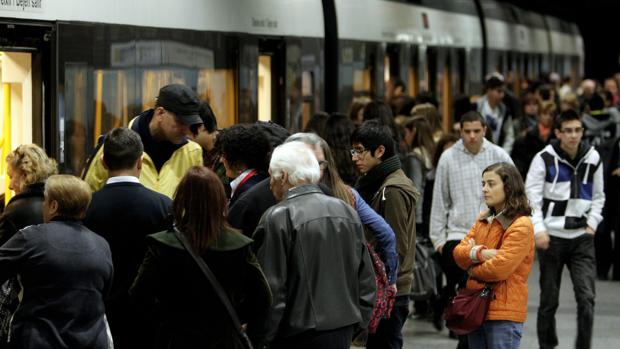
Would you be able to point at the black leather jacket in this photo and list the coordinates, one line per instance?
(24, 209)
(312, 250)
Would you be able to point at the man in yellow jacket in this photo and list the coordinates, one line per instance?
(167, 151)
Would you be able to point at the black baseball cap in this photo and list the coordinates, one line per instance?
(182, 101)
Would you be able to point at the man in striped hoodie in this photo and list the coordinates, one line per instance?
(565, 188)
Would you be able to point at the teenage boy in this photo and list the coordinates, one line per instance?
(565, 188)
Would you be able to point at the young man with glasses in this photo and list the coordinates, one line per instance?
(386, 188)
(565, 188)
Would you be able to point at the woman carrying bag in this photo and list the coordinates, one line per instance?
(189, 310)
(497, 253)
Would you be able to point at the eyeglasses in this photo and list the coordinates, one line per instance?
(568, 131)
(357, 152)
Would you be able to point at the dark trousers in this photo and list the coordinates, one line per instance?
(578, 255)
(339, 338)
(389, 333)
(607, 252)
(455, 277)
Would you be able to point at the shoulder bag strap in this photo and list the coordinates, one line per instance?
(217, 287)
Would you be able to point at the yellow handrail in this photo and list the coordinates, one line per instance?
(6, 137)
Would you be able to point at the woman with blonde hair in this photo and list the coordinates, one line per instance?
(27, 169)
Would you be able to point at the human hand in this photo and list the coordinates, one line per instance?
(542, 240)
(487, 254)
(616, 172)
(589, 230)
(393, 288)
(440, 249)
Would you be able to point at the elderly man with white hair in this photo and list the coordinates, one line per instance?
(312, 250)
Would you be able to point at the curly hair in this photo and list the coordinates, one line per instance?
(31, 161)
(244, 146)
(516, 203)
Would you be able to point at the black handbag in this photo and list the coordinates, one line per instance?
(217, 287)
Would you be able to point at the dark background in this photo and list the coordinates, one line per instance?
(599, 23)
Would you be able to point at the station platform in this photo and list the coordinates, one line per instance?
(421, 334)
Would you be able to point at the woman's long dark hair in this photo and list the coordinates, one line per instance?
(339, 130)
(199, 207)
(516, 203)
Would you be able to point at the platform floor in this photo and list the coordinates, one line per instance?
(422, 334)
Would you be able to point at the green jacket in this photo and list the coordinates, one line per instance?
(395, 201)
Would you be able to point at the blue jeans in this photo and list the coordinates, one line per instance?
(496, 334)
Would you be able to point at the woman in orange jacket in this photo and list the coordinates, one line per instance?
(499, 250)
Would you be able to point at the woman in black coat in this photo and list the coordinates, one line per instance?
(170, 283)
(65, 270)
(27, 168)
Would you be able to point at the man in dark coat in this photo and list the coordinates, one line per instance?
(313, 253)
(124, 212)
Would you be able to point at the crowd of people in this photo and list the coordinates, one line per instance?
(310, 238)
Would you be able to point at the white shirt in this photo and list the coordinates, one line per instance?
(122, 179)
(237, 181)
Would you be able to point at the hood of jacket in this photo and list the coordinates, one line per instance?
(228, 240)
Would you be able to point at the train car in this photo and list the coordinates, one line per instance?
(70, 72)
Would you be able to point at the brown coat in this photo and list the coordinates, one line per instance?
(509, 268)
(395, 201)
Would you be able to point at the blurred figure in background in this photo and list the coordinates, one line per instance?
(338, 136)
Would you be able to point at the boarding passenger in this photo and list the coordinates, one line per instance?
(565, 187)
(312, 250)
(167, 151)
(498, 252)
(456, 196)
(246, 211)
(245, 154)
(172, 287)
(27, 168)
(386, 188)
(496, 115)
(124, 212)
(65, 270)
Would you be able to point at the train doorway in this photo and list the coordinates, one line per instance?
(271, 80)
(25, 91)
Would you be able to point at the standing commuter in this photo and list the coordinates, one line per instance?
(496, 115)
(168, 153)
(499, 250)
(245, 155)
(565, 187)
(124, 212)
(456, 196)
(27, 167)
(312, 250)
(65, 271)
(386, 188)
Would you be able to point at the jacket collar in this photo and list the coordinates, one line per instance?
(302, 190)
(489, 217)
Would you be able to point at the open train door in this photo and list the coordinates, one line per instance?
(26, 68)
(271, 81)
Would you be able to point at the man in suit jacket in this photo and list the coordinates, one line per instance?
(124, 212)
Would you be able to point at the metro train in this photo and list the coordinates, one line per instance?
(72, 70)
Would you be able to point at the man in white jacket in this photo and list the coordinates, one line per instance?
(565, 188)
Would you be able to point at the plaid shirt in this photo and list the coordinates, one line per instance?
(457, 194)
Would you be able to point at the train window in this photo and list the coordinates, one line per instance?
(121, 72)
(412, 73)
(264, 88)
(15, 107)
(217, 86)
(431, 69)
(357, 66)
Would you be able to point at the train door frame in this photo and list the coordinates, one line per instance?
(276, 49)
(40, 41)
